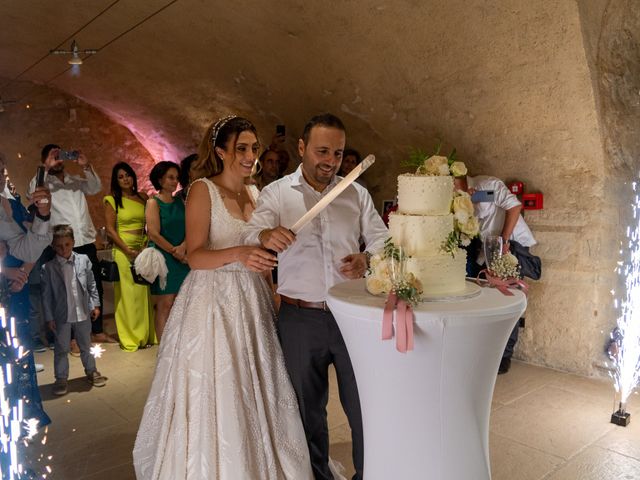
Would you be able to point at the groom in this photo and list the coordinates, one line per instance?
(324, 253)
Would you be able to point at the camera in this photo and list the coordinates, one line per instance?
(67, 154)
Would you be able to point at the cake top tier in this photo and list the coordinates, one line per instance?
(424, 194)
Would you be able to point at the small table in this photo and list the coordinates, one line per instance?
(426, 412)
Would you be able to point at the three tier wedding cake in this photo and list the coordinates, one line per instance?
(430, 225)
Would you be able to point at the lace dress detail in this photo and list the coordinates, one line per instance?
(221, 405)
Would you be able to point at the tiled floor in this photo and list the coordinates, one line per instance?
(545, 424)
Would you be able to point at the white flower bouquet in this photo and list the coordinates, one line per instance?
(386, 265)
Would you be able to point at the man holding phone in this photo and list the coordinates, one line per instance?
(25, 245)
(498, 211)
(70, 208)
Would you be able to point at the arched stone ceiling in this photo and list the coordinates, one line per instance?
(400, 73)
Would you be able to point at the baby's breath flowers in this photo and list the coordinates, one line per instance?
(505, 266)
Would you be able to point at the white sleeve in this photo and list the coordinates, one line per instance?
(266, 215)
(503, 196)
(372, 228)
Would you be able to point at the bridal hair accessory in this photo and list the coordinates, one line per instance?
(217, 126)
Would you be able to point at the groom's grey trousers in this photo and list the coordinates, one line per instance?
(311, 341)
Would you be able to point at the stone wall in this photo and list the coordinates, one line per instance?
(55, 117)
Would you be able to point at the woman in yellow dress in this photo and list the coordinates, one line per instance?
(124, 216)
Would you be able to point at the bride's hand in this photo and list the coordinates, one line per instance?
(256, 259)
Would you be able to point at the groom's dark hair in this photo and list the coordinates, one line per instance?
(324, 120)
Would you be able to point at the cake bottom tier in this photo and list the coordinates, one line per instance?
(440, 274)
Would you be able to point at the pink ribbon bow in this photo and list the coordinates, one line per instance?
(504, 285)
(404, 323)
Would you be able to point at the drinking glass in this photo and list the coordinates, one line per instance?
(492, 249)
(397, 265)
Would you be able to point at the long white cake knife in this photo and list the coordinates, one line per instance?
(337, 190)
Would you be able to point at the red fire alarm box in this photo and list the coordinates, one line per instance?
(532, 201)
(517, 188)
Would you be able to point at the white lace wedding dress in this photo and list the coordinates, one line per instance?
(221, 405)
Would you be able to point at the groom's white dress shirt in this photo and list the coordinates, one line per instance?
(309, 267)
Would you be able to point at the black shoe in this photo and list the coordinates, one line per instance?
(505, 365)
(38, 346)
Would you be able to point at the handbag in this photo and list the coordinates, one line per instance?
(109, 271)
(530, 264)
(137, 278)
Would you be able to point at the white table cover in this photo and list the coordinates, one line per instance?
(426, 412)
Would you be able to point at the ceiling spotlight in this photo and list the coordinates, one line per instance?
(75, 53)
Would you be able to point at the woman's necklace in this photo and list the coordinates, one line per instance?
(235, 194)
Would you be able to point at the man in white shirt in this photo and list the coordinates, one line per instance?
(25, 245)
(324, 253)
(499, 217)
(70, 208)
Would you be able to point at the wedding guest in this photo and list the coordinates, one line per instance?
(268, 169)
(187, 174)
(498, 217)
(27, 246)
(321, 255)
(70, 299)
(165, 216)
(70, 208)
(350, 159)
(15, 270)
(283, 162)
(124, 220)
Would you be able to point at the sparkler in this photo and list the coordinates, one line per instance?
(626, 354)
(97, 350)
(11, 408)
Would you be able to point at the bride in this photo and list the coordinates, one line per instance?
(221, 405)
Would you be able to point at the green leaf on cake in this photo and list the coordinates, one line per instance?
(450, 245)
(416, 158)
(453, 156)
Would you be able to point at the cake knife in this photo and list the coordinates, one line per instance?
(337, 190)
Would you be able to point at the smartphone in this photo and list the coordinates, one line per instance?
(280, 130)
(40, 174)
(68, 154)
(481, 196)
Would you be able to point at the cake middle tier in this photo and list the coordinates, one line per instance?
(420, 234)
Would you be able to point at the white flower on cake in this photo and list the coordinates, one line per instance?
(465, 224)
(458, 169)
(378, 278)
(434, 165)
(471, 227)
(462, 207)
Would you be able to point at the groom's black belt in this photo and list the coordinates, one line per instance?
(304, 304)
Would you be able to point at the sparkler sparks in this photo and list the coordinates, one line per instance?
(626, 354)
(97, 350)
(31, 425)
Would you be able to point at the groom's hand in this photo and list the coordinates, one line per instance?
(277, 239)
(354, 266)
